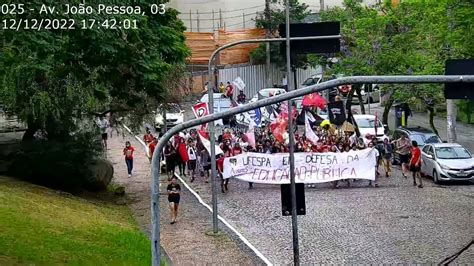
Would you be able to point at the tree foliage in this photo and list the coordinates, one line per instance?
(53, 78)
(277, 15)
(414, 37)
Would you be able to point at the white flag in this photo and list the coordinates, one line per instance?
(207, 144)
(310, 135)
(239, 83)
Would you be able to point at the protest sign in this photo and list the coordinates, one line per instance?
(309, 167)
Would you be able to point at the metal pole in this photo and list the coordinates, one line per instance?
(212, 138)
(155, 166)
(198, 22)
(369, 89)
(213, 24)
(294, 216)
(190, 20)
(220, 17)
(267, 46)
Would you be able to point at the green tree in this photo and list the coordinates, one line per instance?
(298, 12)
(415, 37)
(53, 78)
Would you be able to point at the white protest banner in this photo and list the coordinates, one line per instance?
(309, 167)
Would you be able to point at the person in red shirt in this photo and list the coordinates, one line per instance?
(229, 90)
(128, 152)
(152, 147)
(415, 163)
(220, 170)
(148, 137)
(236, 150)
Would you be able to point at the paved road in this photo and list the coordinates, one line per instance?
(395, 223)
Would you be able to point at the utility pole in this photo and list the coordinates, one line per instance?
(450, 103)
(451, 117)
(294, 215)
(267, 46)
(321, 5)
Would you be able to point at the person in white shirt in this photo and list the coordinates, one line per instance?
(377, 155)
(103, 124)
(192, 155)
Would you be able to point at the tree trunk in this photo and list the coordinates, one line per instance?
(350, 95)
(361, 101)
(432, 114)
(386, 110)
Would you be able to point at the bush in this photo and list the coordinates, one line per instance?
(60, 165)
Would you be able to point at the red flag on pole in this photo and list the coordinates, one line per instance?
(313, 100)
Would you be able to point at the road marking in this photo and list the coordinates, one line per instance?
(241, 237)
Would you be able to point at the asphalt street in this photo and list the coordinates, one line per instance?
(395, 223)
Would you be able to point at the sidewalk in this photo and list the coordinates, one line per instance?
(186, 242)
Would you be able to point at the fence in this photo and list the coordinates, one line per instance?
(202, 45)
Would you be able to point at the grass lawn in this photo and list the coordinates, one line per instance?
(40, 226)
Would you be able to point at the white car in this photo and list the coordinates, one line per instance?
(447, 162)
(265, 93)
(174, 116)
(314, 79)
(366, 125)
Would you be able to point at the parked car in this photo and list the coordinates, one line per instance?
(366, 125)
(421, 135)
(267, 92)
(174, 116)
(314, 79)
(369, 95)
(447, 162)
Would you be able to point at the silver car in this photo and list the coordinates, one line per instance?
(447, 162)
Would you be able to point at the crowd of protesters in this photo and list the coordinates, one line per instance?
(186, 155)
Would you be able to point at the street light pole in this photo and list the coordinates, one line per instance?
(294, 217)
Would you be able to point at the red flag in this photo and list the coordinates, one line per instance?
(200, 110)
(313, 100)
(278, 127)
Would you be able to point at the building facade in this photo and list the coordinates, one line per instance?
(211, 15)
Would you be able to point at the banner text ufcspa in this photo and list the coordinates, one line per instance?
(309, 167)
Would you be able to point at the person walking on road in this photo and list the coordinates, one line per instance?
(387, 157)
(415, 163)
(128, 152)
(170, 159)
(174, 195)
(103, 125)
(403, 149)
(192, 162)
(377, 155)
(206, 164)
